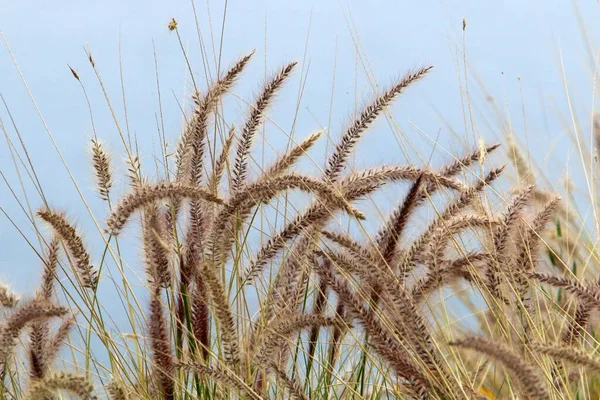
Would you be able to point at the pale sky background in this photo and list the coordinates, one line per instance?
(514, 49)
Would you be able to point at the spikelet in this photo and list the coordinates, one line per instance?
(410, 257)
(149, 194)
(253, 122)
(466, 161)
(278, 332)
(48, 386)
(525, 373)
(85, 272)
(350, 137)
(389, 237)
(578, 323)
(201, 316)
(7, 297)
(103, 171)
(392, 173)
(49, 273)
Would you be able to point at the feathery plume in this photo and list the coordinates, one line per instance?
(161, 350)
(148, 194)
(46, 387)
(350, 137)
(253, 122)
(290, 157)
(190, 150)
(525, 373)
(570, 354)
(224, 377)
(7, 297)
(103, 171)
(221, 162)
(86, 273)
(117, 391)
(27, 313)
(589, 293)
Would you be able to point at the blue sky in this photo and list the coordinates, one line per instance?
(513, 50)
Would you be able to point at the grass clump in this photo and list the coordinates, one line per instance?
(317, 310)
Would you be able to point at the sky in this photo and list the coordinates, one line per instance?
(516, 58)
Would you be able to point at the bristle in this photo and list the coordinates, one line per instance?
(383, 343)
(201, 316)
(292, 384)
(278, 332)
(353, 187)
(86, 273)
(258, 192)
(49, 273)
(59, 338)
(588, 293)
